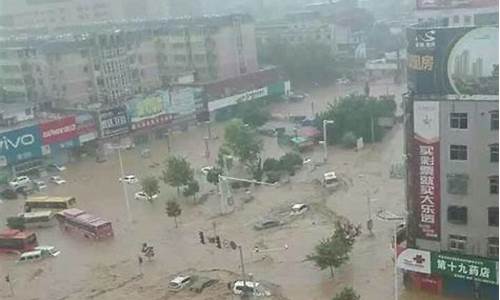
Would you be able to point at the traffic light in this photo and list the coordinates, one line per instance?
(202, 237)
(217, 242)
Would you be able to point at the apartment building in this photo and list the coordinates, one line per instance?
(109, 64)
(452, 152)
(457, 13)
(300, 27)
(52, 14)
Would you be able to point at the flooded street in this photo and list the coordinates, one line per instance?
(109, 269)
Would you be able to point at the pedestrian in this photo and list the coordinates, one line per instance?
(139, 259)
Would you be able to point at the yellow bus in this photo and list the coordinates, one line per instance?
(54, 204)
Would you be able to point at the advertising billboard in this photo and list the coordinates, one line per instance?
(20, 144)
(148, 111)
(450, 4)
(465, 267)
(86, 128)
(427, 169)
(453, 61)
(415, 260)
(234, 99)
(182, 100)
(58, 131)
(113, 121)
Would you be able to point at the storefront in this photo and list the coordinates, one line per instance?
(20, 151)
(59, 138)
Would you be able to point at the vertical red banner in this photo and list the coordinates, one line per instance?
(427, 169)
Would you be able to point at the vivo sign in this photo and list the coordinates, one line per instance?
(20, 144)
(23, 141)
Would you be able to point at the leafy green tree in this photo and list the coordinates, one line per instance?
(334, 251)
(150, 186)
(253, 113)
(191, 189)
(348, 293)
(348, 140)
(271, 164)
(290, 162)
(173, 210)
(243, 142)
(178, 172)
(356, 114)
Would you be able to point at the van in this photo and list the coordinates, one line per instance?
(179, 282)
(39, 253)
(330, 180)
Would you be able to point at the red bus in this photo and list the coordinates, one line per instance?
(17, 241)
(78, 221)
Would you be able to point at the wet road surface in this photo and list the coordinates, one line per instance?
(109, 269)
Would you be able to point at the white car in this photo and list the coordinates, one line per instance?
(39, 184)
(56, 167)
(53, 251)
(298, 209)
(142, 196)
(129, 179)
(179, 282)
(250, 287)
(206, 169)
(57, 180)
(20, 181)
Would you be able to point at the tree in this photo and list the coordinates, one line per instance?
(348, 293)
(348, 140)
(253, 113)
(191, 189)
(357, 114)
(213, 175)
(150, 187)
(243, 142)
(177, 173)
(173, 210)
(334, 251)
(290, 162)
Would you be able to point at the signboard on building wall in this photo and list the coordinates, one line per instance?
(450, 4)
(58, 131)
(460, 60)
(465, 267)
(148, 111)
(181, 100)
(234, 99)
(20, 144)
(427, 169)
(415, 260)
(112, 121)
(86, 128)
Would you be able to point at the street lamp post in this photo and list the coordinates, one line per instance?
(122, 176)
(325, 149)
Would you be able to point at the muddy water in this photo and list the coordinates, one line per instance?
(109, 269)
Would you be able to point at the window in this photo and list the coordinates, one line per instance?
(457, 243)
(493, 247)
(456, 19)
(494, 153)
(467, 20)
(494, 185)
(493, 216)
(458, 120)
(85, 69)
(457, 214)
(457, 184)
(494, 120)
(458, 152)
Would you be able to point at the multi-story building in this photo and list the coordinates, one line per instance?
(457, 13)
(452, 152)
(297, 28)
(52, 14)
(109, 64)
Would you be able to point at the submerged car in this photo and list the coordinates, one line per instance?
(179, 282)
(267, 223)
(298, 209)
(129, 179)
(19, 181)
(143, 196)
(57, 180)
(39, 253)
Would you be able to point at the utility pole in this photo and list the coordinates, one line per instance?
(209, 129)
(372, 129)
(325, 144)
(125, 192)
(242, 265)
(396, 288)
(207, 149)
